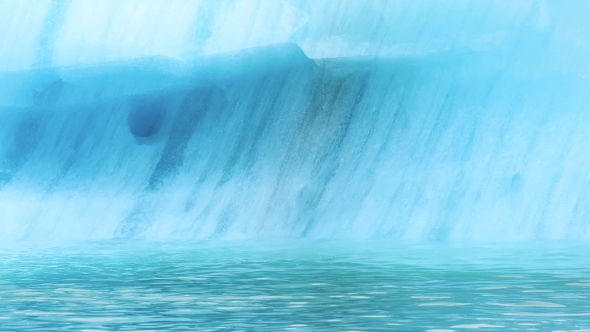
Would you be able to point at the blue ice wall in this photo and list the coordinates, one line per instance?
(429, 121)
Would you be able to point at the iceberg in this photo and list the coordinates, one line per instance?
(462, 121)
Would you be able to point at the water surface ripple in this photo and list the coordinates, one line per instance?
(302, 287)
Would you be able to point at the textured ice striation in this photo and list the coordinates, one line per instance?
(430, 121)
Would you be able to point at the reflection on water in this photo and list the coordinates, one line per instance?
(303, 287)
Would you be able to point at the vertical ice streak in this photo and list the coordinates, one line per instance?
(50, 30)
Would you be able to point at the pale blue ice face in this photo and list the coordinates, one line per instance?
(430, 121)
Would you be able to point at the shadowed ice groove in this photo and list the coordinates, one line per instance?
(369, 124)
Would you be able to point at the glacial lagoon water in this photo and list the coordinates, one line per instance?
(294, 286)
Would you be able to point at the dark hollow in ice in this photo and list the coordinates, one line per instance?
(146, 119)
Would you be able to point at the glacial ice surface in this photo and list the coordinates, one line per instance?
(163, 119)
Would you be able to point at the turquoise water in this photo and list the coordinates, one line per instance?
(307, 286)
